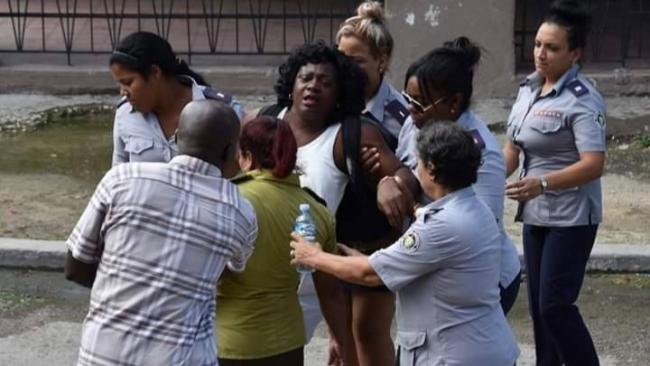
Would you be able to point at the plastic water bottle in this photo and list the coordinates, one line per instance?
(305, 226)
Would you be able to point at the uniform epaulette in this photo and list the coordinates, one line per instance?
(315, 196)
(577, 88)
(398, 111)
(121, 102)
(478, 139)
(214, 94)
(431, 212)
(240, 178)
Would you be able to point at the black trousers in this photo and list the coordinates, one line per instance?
(556, 258)
(509, 294)
(291, 358)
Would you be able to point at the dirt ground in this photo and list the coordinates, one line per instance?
(46, 206)
(41, 312)
(43, 194)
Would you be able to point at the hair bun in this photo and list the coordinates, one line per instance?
(372, 10)
(468, 50)
(570, 11)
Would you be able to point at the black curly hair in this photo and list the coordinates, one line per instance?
(351, 79)
(452, 152)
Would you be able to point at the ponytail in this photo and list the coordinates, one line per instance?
(448, 69)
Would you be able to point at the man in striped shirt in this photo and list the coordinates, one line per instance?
(154, 240)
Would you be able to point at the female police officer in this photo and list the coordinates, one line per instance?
(556, 134)
(366, 40)
(155, 86)
(443, 268)
(439, 87)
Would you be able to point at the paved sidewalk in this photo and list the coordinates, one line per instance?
(46, 254)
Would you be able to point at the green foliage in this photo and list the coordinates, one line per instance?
(644, 140)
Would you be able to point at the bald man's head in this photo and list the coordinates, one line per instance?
(208, 130)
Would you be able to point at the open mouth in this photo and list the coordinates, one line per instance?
(310, 100)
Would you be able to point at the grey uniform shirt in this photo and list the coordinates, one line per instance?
(138, 137)
(444, 274)
(489, 187)
(388, 108)
(551, 132)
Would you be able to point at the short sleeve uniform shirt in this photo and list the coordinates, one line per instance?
(388, 108)
(138, 137)
(444, 274)
(551, 131)
(490, 183)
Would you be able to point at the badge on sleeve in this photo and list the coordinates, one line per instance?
(410, 241)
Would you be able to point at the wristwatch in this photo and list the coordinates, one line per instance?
(543, 182)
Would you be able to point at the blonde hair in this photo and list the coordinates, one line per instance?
(369, 26)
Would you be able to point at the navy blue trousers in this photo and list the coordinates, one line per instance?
(556, 258)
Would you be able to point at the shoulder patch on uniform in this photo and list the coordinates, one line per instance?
(121, 102)
(398, 111)
(430, 213)
(315, 196)
(478, 140)
(410, 241)
(211, 93)
(577, 88)
(240, 178)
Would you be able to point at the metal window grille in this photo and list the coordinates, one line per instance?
(193, 27)
(620, 32)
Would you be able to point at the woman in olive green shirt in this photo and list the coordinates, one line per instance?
(259, 320)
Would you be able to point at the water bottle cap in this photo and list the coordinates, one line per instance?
(304, 207)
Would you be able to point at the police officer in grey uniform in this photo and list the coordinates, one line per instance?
(154, 84)
(556, 133)
(442, 269)
(447, 73)
(389, 111)
(365, 38)
(138, 136)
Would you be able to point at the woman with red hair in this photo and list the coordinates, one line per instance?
(259, 320)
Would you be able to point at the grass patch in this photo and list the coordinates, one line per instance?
(644, 140)
(640, 281)
(11, 301)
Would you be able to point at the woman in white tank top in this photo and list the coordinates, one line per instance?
(318, 171)
(319, 88)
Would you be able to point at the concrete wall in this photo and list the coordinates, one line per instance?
(420, 25)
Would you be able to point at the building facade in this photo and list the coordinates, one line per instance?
(261, 32)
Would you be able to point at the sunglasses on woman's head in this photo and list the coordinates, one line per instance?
(419, 107)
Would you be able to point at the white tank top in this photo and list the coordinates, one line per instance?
(317, 168)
